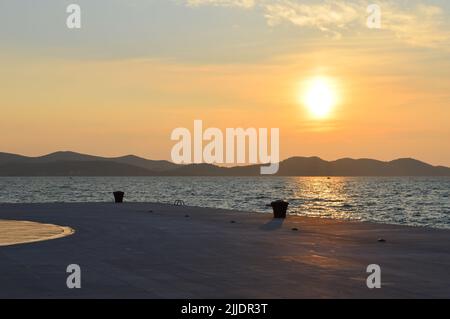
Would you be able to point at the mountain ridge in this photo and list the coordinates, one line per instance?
(67, 163)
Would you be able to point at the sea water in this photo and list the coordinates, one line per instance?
(416, 201)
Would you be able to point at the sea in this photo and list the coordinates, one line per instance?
(414, 201)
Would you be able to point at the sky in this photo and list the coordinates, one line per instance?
(138, 69)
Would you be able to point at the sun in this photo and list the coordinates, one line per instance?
(319, 96)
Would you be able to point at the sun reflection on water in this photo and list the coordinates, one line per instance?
(321, 197)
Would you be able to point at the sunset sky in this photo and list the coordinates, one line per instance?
(137, 69)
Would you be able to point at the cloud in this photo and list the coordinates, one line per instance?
(222, 3)
(324, 16)
(422, 25)
(418, 23)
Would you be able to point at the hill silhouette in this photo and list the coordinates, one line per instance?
(76, 164)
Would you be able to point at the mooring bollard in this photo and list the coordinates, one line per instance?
(118, 197)
(279, 208)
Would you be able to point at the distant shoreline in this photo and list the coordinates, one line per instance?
(75, 164)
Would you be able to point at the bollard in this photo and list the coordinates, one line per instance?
(279, 208)
(118, 197)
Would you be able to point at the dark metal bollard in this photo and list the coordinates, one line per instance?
(279, 208)
(118, 197)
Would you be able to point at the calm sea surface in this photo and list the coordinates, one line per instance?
(418, 201)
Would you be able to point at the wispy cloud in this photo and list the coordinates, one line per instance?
(417, 23)
(223, 3)
(324, 16)
(422, 25)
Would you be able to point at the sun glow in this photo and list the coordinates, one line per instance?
(319, 96)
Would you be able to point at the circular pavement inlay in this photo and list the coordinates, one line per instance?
(13, 232)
